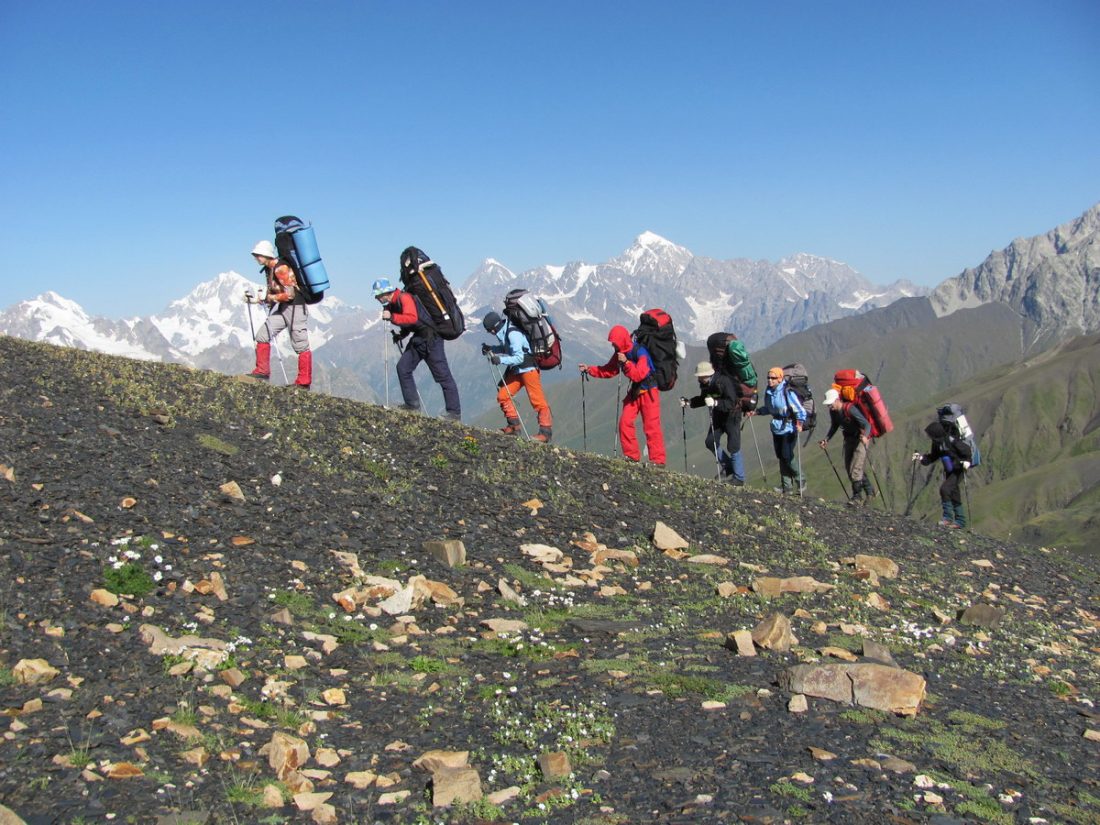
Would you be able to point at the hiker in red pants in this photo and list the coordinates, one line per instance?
(643, 398)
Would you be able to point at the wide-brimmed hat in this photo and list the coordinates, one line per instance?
(704, 369)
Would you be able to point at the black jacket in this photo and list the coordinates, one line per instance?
(722, 388)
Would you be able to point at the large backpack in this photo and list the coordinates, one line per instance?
(953, 419)
(656, 333)
(728, 355)
(529, 313)
(422, 277)
(296, 244)
(798, 382)
(855, 387)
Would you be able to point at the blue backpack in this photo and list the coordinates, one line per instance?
(296, 244)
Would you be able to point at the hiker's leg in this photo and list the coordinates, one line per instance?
(263, 360)
(436, 357)
(305, 369)
(508, 389)
(408, 362)
(628, 435)
(532, 380)
(731, 426)
(650, 403)
(299, 335)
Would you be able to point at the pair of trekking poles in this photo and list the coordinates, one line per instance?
(874, 475)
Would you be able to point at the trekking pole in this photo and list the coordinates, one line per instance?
(584, 410)
(618, 411)
(498, 374)
(714, 443)
(759, 457)
(386, 360)
(683, 429)
(249, 295)
(909, 498)
(801, 479)
(836, 472)
(881, 491)
(969, 510)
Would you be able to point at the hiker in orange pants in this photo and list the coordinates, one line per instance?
(513, 352)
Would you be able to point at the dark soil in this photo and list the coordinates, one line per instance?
(616, 681)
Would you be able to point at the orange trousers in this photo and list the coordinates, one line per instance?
(532, 382)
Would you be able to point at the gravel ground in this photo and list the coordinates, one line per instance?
(111, 462)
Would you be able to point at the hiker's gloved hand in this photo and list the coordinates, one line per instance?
(917, 457)
(494, 359)
(823, 443)
(584, 368)
(485, 349)
(710, 401)
(386, 315)
(683, 401)
(396, 336)
(966, 465)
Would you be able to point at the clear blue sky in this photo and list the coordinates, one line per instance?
(145, 146)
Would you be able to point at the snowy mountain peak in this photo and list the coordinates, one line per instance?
(650, 254)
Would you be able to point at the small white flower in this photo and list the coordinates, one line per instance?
(158, 576)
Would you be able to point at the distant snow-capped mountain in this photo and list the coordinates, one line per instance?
(759, 300)
(197, 329)
(212, 328)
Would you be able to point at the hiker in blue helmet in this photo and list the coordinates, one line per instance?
(405, 311)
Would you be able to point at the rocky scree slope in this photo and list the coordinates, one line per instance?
(579, 672)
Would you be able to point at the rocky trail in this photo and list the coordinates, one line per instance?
(229, 603)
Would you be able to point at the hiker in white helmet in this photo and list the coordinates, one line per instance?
(286, 309)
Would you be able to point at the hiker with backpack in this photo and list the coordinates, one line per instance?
(286, 309)
(718, 393)
(405, 311)
(955, 454)
(643, 398)
(513, 352)
(788, 416)
(856, 430)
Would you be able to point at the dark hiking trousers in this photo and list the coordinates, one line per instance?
(421, 348)
(730, 457)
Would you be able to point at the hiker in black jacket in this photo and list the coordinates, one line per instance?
(955, 455)
(856, 429)
(718, 393)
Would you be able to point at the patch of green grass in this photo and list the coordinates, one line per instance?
(784, 787)
(299, 604)
(530, 579)
(521, 649)
(130, 579)
(965, 745)
(864, 716)
(675, 685)
(216, 444)
(7, 678)
(427, 664)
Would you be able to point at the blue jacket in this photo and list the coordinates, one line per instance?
(784, 407)
(514, 349)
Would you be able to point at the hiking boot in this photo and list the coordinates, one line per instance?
(513, 427)
(255, 376)
(733, 481)
(409, 408)
(544, 435)
(300, 387)
(452, 416)
(950, 525)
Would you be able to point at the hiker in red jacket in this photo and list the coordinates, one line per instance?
(286, 310)
(404, 311)
(643, 397)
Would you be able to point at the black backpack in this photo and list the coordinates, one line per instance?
(297, 247)
(798, 382)
(423, 279)
(529, 314)
(953, 419)
(656, 333)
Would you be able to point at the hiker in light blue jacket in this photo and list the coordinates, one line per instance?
(788, 416)
(513, 351)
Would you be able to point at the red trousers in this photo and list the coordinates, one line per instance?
(532, 382)
(647, 403)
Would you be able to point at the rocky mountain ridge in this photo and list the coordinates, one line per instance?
(226, 603)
